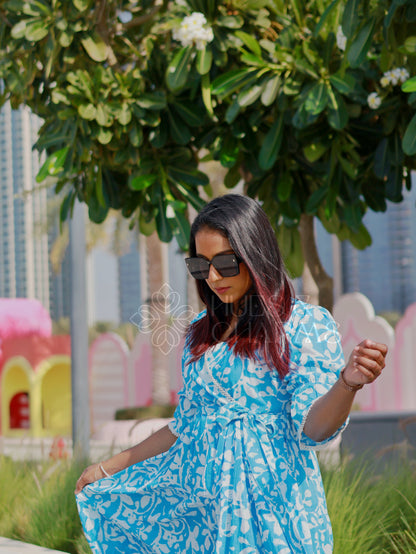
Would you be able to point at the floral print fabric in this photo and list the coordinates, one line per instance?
(242, 476)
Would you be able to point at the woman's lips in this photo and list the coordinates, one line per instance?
(221, 290)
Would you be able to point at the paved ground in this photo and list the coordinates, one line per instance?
(7, 546)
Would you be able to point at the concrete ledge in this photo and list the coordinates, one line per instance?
(382, 439)
(8, 546)
(112, 437)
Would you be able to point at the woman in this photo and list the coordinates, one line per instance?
(264, 386)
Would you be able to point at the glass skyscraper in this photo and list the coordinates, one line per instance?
(386, 271)
(24, 267)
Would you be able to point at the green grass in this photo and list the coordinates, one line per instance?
(371, 513)
(38, 504)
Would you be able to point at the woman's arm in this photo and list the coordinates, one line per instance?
(330, 411)
(157, 443)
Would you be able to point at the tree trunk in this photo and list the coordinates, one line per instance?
(323, 281)
(310, 291)
(159, 317)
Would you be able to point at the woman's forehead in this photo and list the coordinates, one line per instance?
(209, 241)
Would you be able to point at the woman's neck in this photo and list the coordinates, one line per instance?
(231, 327)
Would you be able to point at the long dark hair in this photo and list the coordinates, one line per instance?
(266, 306)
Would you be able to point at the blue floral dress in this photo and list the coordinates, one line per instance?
(242, 477)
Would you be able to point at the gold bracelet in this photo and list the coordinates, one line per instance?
(346, 386)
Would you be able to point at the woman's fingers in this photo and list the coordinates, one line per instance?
(369, 373)
(373, 364)
(87, 476)
(376, 348)
(366, 362)
(371, 355)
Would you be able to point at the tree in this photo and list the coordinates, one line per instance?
(307, 101)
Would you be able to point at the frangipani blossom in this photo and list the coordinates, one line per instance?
(394, 77)
(194, 31)
(374, 100)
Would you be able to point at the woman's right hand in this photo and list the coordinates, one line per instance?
(91, 474)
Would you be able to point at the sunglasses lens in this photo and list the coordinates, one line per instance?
(198, 267)
(226, 264)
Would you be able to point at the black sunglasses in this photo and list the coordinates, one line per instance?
(227, 265)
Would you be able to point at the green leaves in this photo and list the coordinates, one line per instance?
(291, 247)
(409, 139)
(337, 110)
(141, 182)
(315, 200)
(409, 85)
(95, 47)
(178, 70)
(344, 83)
(270, 91)
(204, 61)
(53, 165)
(350, 17)
(357, 52)
(250, 42)
(152, 100)
(271, 144)
(226, 84)
(82, 5)
(33, 29)
(273, 97)
(361, 238)
(317, 99)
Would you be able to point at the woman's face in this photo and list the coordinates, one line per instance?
(230, 290)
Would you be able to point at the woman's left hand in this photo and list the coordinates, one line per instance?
(366, 363)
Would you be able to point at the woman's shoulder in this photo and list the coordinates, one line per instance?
(307, 315)
(303, 309)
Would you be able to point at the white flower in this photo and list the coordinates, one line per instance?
(386, 77)
(385, 81)
(194, 30)
(196, 19)
(374, 100)
(341, 39)
(394, 77)
(403, 74)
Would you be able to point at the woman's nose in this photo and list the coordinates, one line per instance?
(213, 274)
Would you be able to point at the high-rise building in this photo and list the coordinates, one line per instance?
(24, 267)
(386, 271)
(129, 279)
(60, 282)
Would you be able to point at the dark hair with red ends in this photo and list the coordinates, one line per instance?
(266, 306)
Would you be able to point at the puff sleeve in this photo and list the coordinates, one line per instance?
(316, 361)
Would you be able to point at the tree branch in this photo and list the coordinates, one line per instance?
(4, 18)
(137, 21)
(103, 31)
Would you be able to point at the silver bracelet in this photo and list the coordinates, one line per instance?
(104, 471)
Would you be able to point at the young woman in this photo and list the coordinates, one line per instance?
(265, 385)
